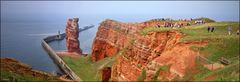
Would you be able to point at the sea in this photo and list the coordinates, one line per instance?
(22, 41)
(25, 23)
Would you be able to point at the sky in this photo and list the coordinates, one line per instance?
(127, 11)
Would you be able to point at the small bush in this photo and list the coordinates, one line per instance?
(154, 79)
(142, 77)
(164, 68)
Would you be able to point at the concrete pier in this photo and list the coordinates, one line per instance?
(63, 35)
(60, 62)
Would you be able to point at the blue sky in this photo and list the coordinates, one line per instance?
(129, 11)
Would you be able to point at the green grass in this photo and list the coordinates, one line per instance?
(155, 77)
(161, 68)
(164, 67)
(83, 67)
(204, 19)
(142, 77)
(228, 73)
(9, 76)
(220, 44)
(153, 29)
(88, 70)
(204, 72)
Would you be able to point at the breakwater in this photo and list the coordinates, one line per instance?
(66, 69)
(63, 35)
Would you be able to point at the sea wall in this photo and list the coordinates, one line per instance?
(63, 35)
(56, 58)
(59, 61)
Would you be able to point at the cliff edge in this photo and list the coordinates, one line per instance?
(151, 51)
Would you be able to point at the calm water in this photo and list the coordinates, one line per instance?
(23, 42)
(85, 37)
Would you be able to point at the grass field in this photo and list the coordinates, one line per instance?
(220, 44)
(14, 77)
(228, 73)
(88, 70)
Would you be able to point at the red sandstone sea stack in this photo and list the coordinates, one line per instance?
(72, 33)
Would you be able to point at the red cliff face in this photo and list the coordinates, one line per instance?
(111, 37)
(149, 51)
(72, 32)
(106, 74)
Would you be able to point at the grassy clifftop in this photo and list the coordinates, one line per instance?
(220, 44)
(88, 70)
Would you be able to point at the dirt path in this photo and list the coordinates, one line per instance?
(209, 78)
(198, 43)
(72, 55)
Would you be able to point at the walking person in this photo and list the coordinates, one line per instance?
(212, 29)
(58, 35)
(237, 32)
(229, 30)
(208, 28)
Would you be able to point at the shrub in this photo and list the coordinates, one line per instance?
(142, 77)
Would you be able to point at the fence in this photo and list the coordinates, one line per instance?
(217, 64)
(206, 61)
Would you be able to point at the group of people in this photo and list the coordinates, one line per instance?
(168, 24)
(230, 30)
(210, 29)
(199, 22)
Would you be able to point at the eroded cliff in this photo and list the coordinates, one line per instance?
(150, 51)
(13, 70)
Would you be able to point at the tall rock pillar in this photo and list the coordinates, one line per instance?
(72, 33)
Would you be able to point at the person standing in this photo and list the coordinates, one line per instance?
(229, 30)
(212, 29)
(208, 28)
(237, 32)
(58, 35)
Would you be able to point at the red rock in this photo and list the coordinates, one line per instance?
(106, 74)
(159, 47)
(72, 33)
